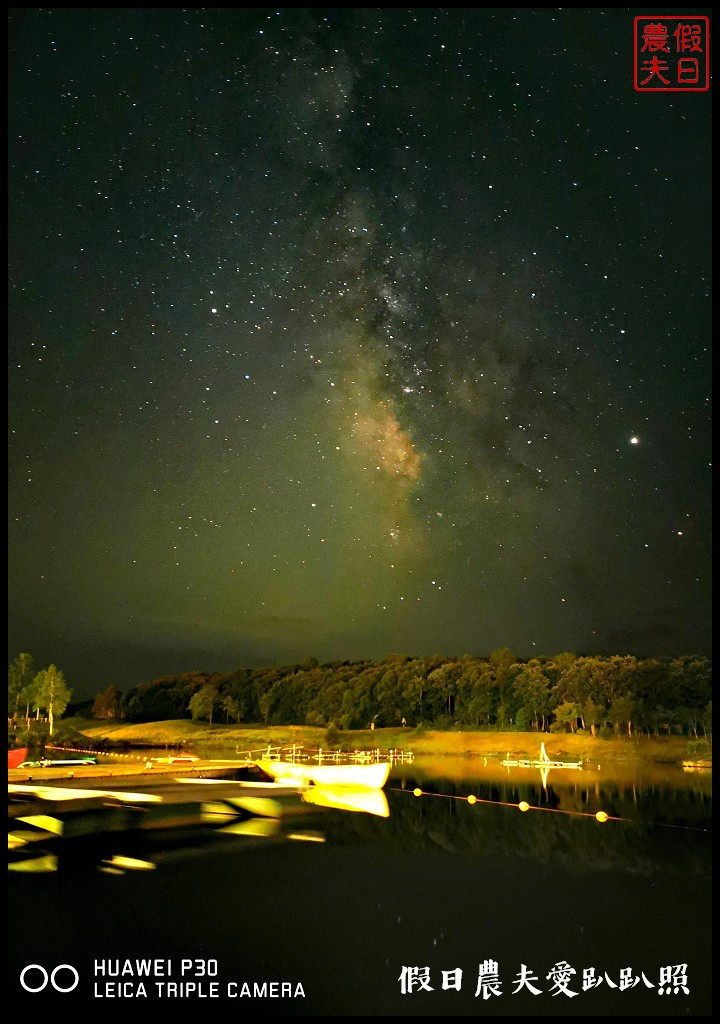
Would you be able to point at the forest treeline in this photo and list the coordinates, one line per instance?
(560, 693)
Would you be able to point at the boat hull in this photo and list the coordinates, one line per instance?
(367, 776)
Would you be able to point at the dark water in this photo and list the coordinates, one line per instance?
(438, 887)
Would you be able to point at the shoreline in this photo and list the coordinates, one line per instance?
(116, 737)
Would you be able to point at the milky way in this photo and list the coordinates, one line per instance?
(339, 333)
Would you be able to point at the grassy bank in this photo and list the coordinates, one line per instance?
(659, 750)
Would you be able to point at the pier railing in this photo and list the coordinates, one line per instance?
(297, 753)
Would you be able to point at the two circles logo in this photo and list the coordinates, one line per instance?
(63, 978)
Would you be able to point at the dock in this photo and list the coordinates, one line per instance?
(128, 769)
(116, 826)
(540, 762)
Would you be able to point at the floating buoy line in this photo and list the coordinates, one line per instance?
(600, 816)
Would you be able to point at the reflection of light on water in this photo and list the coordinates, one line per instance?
(217, 813)
(121, 863)
(543, 762)
(56, 793)
(41, 827)
(261, 805)
(262, 827)
(307, 837)
(239, 813)
(37, 865)
(45, 822)
(611, 776)
(255, 784)
(347, 798)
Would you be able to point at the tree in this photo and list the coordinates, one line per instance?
(232, 708)
(532, 689)
(592, 715)
(579, 679)
(19, 678)
(202, 703)
(568, 713)
(107, 704)
(502, 658)
(691, 682)
(265, 702)
(51, 694)
(707, 719)
(387, 698)
(504, 667)
(621, 712)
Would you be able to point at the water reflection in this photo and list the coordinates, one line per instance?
(342, 901)
(648, 826)
(648, 793)
(624, 775)
(539, 814)
(344, 798)
(55, 829)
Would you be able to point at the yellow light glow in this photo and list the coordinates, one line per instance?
(307, 837)
(129, 863)
(38, 865)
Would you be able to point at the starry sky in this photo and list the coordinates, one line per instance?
(343, 332)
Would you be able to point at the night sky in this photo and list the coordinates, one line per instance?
(343, 332)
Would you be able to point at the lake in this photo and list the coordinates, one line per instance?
(444, 908)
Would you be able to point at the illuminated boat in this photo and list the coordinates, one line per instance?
(364, 776)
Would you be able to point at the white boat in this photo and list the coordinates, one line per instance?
(367, 776)
(45, 762)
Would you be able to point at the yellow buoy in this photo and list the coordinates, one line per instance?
(417, 792)
(601, 816)
(472, 799)
(524, 805)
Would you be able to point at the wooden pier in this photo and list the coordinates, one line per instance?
(298, 754)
